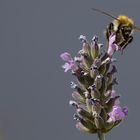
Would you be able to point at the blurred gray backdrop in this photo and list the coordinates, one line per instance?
(34, 90)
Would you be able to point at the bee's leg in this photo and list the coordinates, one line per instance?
(104, 57)
(111, 27)
(107, 33)
(126, 42)
(109, 30)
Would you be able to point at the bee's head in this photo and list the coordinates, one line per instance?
(126, 20)
(126, 25)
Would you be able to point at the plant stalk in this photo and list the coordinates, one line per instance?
(101, 136)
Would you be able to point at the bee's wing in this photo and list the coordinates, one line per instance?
(136, 28)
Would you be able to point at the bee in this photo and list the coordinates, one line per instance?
(122, 26)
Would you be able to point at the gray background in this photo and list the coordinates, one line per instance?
(34, 91)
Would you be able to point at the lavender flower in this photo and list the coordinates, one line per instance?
(66, 57)
(70, 64)
(97, 104)
(112, 46)
(118, 113)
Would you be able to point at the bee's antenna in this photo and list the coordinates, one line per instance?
(104, 12)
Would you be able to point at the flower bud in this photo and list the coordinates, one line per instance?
(107, 67)
(111, 103)
(85, 45)
(107, 95)
(95, 49)
(95, 93)
(96, 63)
(81, 127)
(110, 85)
(84, 79)
(77, 97)
(108, 126)
(96, 107)
(87, 95)
(77, 88)
(109, 78)
(89, 105)
(88, 124)
(104, 115)
(102, 69)
(84, 114)
(86, 62)
(103, 87)
(117, 123)
(93, 72)
(104, 66)
(86, 48)
(98, 81)
(99, 122)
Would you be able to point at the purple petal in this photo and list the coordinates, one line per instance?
(112, 38)
(66, 57)
(66, 67)
(125, 110)
(112, 46)
(69, 66)
(117, 113)
(113, 93)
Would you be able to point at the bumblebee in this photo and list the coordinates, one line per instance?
(122, 26)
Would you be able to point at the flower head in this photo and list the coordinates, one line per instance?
(97, 103)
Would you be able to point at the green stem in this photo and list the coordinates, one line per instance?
(101, 136)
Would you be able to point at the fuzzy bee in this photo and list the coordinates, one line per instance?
(122, 26)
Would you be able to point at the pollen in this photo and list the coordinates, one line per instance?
(125, 20)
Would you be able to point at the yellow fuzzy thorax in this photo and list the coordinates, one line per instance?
(125, 20)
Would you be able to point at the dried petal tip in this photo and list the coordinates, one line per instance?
(73, 103)
(82, 38)
(76, 117)
(95, 39)
(73, 85)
